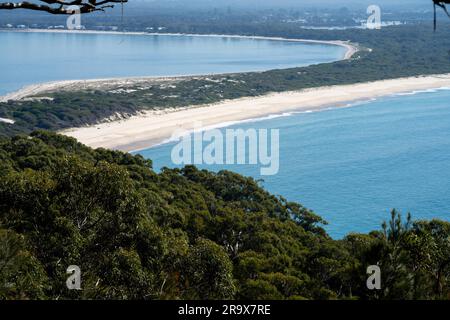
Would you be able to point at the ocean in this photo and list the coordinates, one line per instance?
(353, 165)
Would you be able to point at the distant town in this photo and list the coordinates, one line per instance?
(175, 20)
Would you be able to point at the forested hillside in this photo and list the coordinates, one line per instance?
(187, 234)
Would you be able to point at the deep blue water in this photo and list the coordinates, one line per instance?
(29, 58)
(351, 166)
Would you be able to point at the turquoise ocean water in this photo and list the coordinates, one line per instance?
(29, 58)
(352, 165)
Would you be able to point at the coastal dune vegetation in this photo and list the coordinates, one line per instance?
(187, 234)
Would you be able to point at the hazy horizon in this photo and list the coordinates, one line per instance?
(285, 3)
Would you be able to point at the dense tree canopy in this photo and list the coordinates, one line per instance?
(187, 234)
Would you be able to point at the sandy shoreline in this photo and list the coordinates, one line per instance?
(151, 128)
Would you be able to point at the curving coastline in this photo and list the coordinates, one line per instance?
(154, 127)
(39, 88)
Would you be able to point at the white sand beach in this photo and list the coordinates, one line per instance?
(151, 127)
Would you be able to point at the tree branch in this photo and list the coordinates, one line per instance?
(86, 6)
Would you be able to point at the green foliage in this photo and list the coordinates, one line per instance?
(21, 274)
(209, 272)
(187, 234)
